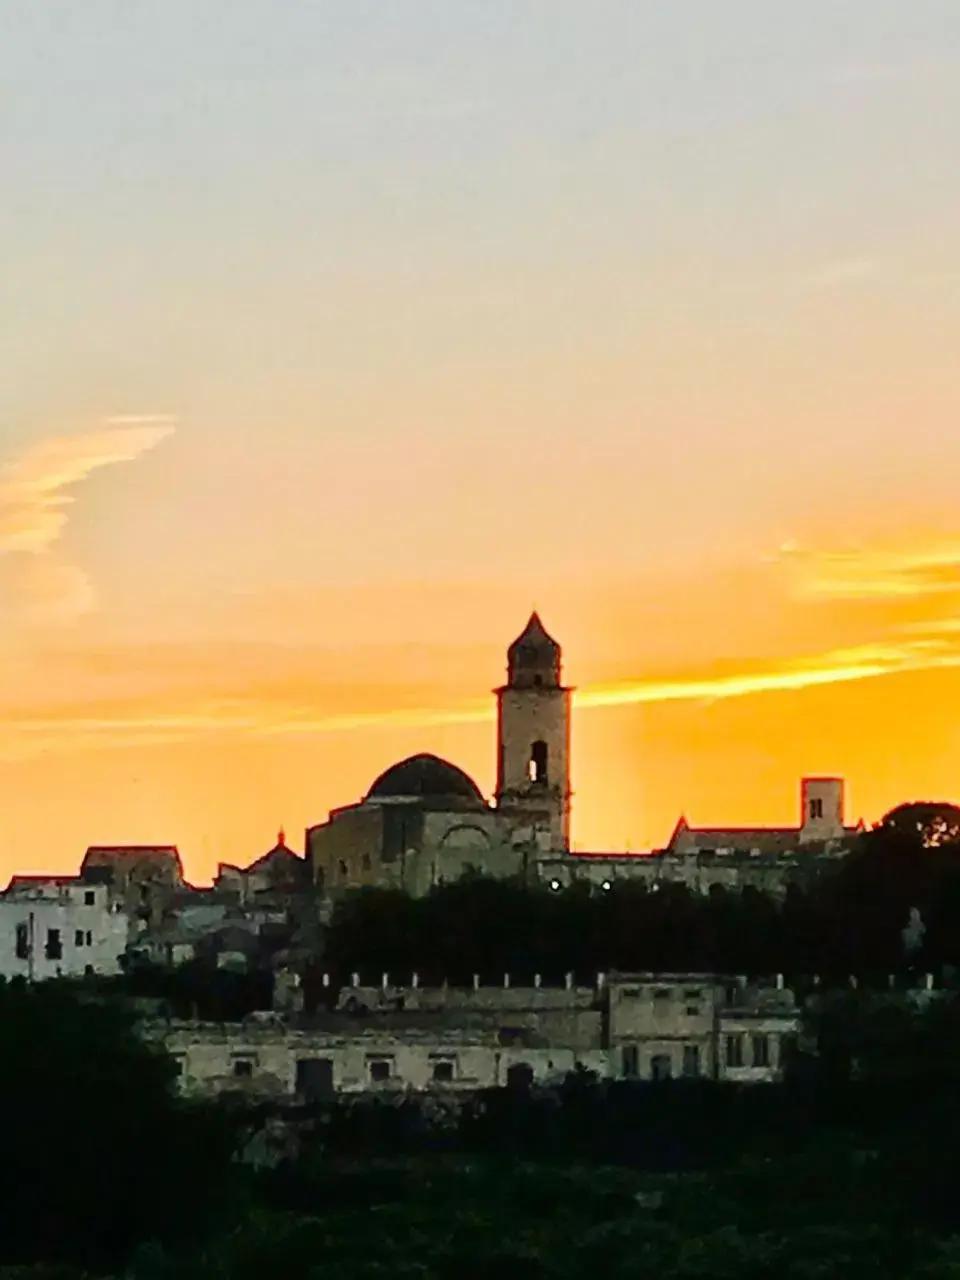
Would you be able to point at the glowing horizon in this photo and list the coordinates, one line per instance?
(362, 337)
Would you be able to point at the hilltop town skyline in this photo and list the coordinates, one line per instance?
(333, 347)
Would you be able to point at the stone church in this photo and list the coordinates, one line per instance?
(424, 821)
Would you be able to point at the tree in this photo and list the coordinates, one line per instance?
(934, 823)
(97, 1154)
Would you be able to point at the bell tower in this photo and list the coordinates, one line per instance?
(533, 737)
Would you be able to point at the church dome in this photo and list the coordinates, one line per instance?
(534, 657)
(428, 778)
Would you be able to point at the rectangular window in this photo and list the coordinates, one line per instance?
(631, 1061)
(242, 1067)
(23, 941)
(89, 938)
(54, 947)
(761, 1051)
(89, 898)
(661, 1067)
(816, 809)
(380, 1069)
(734, 1051)
(78, 938)
(443, 1071)
(691, 1060)
(661, 997)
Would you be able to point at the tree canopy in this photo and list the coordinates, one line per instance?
(96, 1151)
(849, 918)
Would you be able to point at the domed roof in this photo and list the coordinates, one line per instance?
(427, 777)
(534, 657)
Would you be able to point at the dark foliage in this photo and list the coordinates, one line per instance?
(96, 1153)
(848, 920)
(197, 990)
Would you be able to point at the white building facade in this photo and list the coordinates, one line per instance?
(60, 928)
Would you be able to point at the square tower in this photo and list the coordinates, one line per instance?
(533, 737)
(821, 809)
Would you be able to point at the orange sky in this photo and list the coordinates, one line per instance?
(708, 693)
(331, 347)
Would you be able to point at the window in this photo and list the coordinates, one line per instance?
(816, 809)
(89, 898)
(761, 1051)
(631, 993)
(538, 763)
(78, 938)
(443, 1070)
(691, 1060)
(23, 941)
(661, 1068)
(54, 947)
(343, 869)
(242, 1068)
(89, 938)
(631, 1061)
(734, 1051)
(661, 999)
(381, 1069)
(88, 970)
(178, 1064)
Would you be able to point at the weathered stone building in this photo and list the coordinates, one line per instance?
(60, 926)
(644, 1026)
(424, 821)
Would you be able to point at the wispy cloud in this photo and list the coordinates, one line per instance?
(36, 495)
(253, 714)
(904, 602)
(869, 573)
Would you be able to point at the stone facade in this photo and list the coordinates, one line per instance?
(410, 843)
(424, 821)
(643, 1026)
(143, 878)
(533, 738)
(60, 927)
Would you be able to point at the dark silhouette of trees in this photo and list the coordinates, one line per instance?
(935, 822)
(196, 990)
(847, 920)
(96, 1152)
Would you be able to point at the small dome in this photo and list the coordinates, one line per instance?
(534, 657)
(427, 777)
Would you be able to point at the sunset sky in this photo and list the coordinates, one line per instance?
(335, 337)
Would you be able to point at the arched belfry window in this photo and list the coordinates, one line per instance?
(538, 762)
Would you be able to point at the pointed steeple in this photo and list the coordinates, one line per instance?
(533, 660)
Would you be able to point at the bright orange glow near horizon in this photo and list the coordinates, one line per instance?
(362, 339)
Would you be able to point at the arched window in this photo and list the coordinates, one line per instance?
(538, 762)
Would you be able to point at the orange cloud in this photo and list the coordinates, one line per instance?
(128, 722)
(871, 574)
